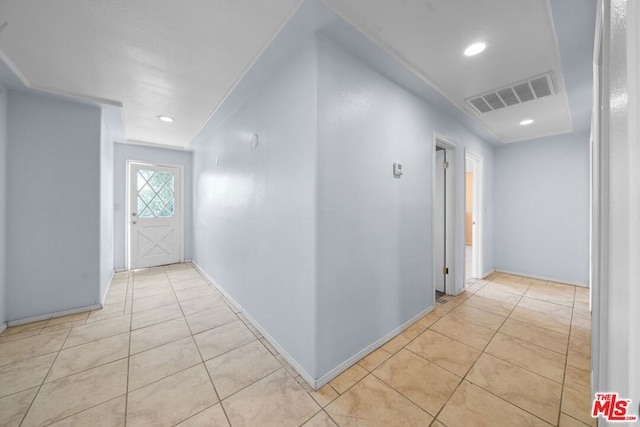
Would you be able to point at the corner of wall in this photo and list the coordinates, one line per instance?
(106, 205)
(258, 204)
(3, 206)
(315, 65)
(59, 139)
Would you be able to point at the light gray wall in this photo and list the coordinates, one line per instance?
(254, 216)
(310, 232)
(53, 203)
(124, 152)
(3, 204)
(542, 208)
(374, 257)
(106, 206)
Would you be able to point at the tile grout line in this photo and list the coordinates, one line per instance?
(455, 304)
(464, 377)
(130, 282)
(49, 372)
(404, 347)
(566, 360)
(182, 370)
(407, 397)
(484, 352)
(564, 372)
(435, 332)
(35, 396)
(329, 415)
(531, 343)
(213, 385)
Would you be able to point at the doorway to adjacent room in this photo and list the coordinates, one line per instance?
(473, 217)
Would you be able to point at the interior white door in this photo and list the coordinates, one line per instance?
(439, 218)
(155, 215)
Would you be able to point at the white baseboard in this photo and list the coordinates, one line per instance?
(549, 279)
(103, 297)
(368, 349)
(486, 273)
(315, 383)
(294, 364)
(3, 326)
(52, 315)
(234, 303)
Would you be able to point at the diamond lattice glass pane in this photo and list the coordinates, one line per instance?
(146, 213)
(156, 206)
(146, 174)
(167, 211)
(156, 182)
(165, 175)
(146, 194)
(165, 194)
(155, 194)
(141, 180)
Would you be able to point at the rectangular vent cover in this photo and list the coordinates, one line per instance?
(517, 93)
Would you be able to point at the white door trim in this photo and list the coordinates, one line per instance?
(599, 214)
(127, 249)
(478, 208)
(452, 234)
(616, 206)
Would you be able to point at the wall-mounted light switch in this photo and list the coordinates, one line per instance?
(397, 169)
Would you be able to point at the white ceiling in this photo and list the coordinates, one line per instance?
(182, 59)
(432, 35)
(155, 57)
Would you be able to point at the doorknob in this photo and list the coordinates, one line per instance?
(134, 214)
(133, 222)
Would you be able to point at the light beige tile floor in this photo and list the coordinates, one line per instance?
(167, 349)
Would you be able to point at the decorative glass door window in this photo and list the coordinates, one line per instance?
(155, 194)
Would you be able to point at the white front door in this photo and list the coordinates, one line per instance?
(155, 215)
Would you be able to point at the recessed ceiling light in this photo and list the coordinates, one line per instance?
(474, 49)
(526, 122)
(165, 119)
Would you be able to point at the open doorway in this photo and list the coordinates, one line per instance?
(444, 166)
(473, 214)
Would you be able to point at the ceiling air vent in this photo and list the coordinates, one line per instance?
(517, 93)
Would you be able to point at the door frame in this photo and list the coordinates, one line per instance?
(180, 205)
(452, 224)
(477, 211)
(615, 243)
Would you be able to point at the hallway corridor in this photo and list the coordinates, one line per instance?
(167, 349)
